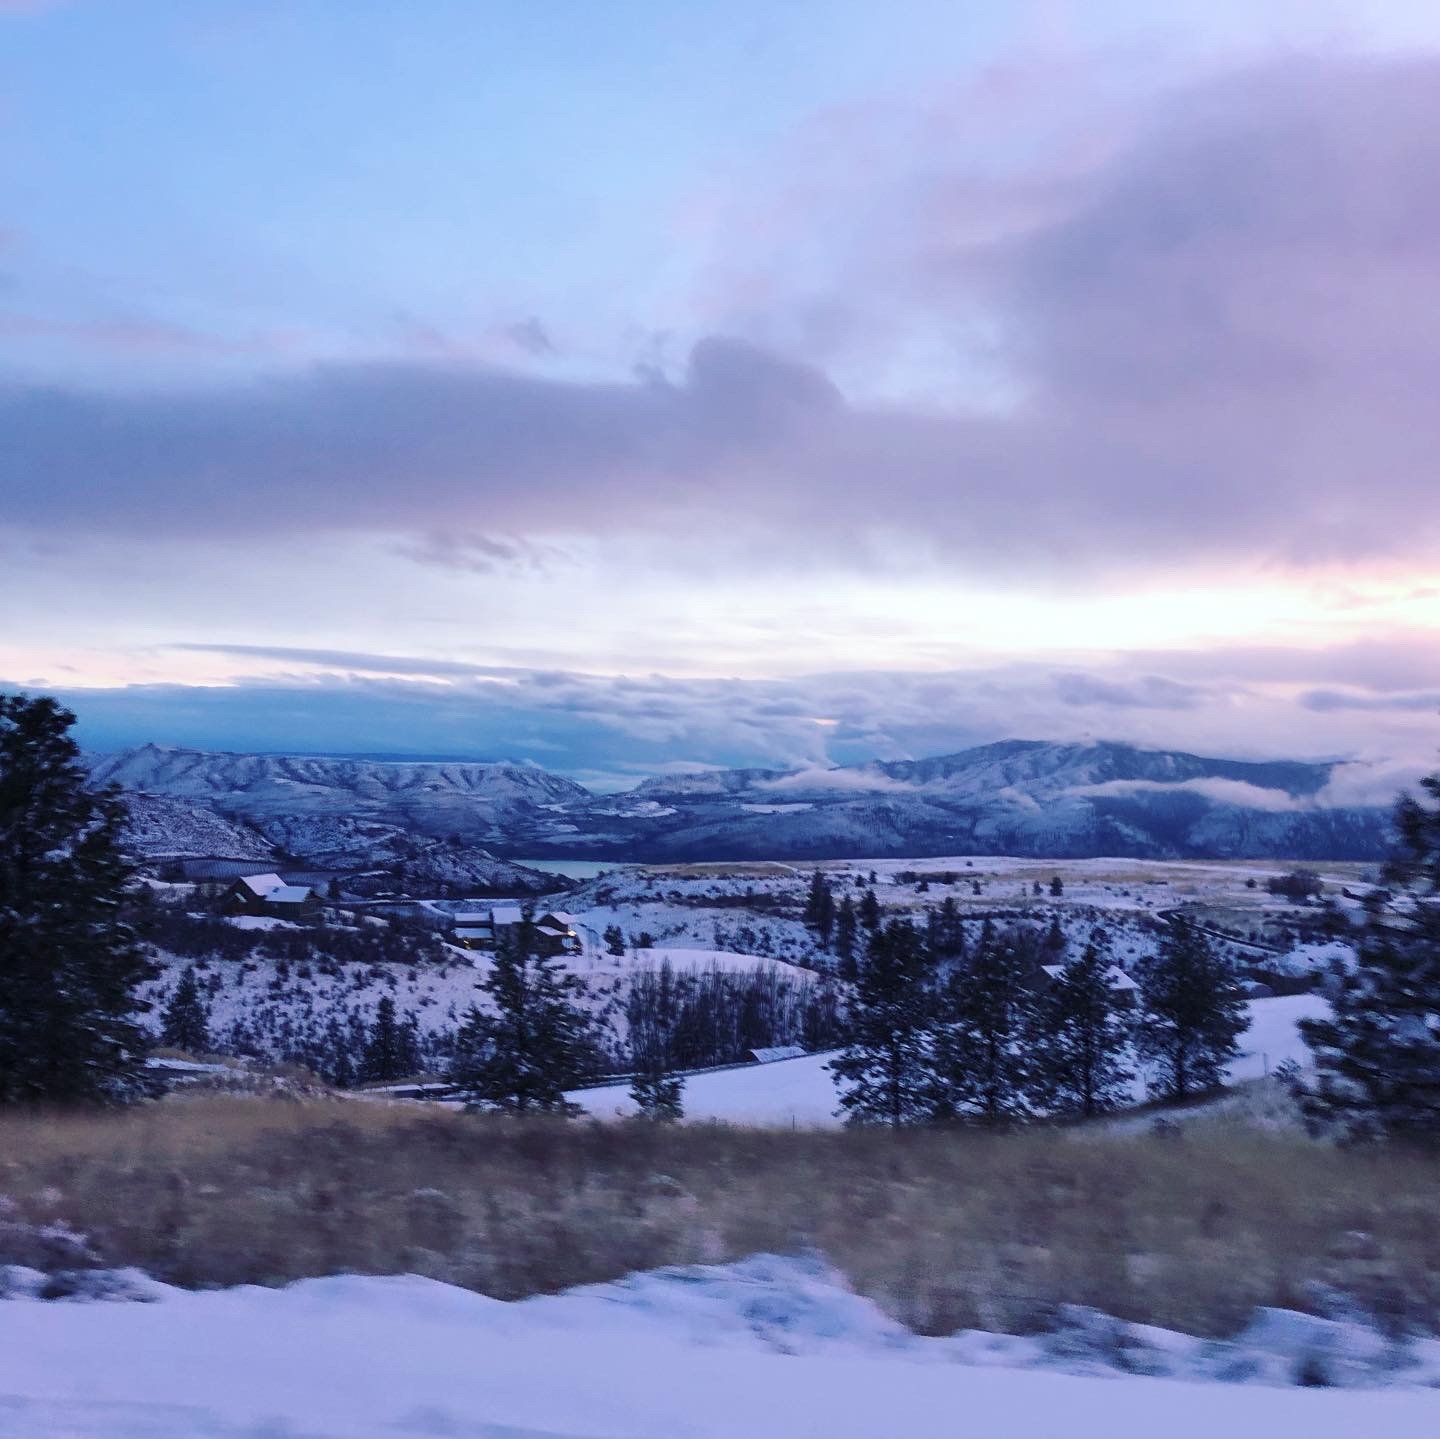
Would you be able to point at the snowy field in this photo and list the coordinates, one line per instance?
(766, 1349)
(801, 1092)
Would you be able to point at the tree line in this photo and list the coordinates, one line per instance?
(1000, 1036)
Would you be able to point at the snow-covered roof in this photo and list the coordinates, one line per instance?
(262, 884)
(562, 917)
(779, 1051)
(506, 914)
(289, 894)
(473, 931)
(1117, 976)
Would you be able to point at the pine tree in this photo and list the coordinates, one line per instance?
(1192, 1014)
(1377, 1059)
(532, 1044)
(1082, 1039)
(948, 931)
(820, 908)
(658, 1096)
(845, 938)
(814, 899)
(1055, 940)
(614, 938)
(985, 1021)
(883, 1072)
(1057, 886)
(653, 1016)
(69, 966)
(389, 1051)
(185, 1023)
(869, 915)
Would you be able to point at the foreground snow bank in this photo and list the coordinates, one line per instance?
(766, 1348)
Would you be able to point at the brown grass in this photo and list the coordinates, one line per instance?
(945, 1230)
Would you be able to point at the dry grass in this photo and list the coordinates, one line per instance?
(945, 1230)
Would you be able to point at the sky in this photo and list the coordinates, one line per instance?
(652, 386)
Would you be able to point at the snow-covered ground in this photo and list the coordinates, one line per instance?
(770, 1348)
(437, 994)
(801, 1092)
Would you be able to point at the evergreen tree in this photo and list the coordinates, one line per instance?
(1055, 940)
(820, 908)
(1057, 886)
(945, 931)
(1377, 1059)
(69, 966)
(653, 1015)
(658, 1096)
(869, 915)
(985, 1023)
(883, 1072)
(1082, 1039)
(933, 943)
(185, 1023)
(389, 1052)
(534, 1042)
(845, 938)
(614, 938)
(1192, 1014)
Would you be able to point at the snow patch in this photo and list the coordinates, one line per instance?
(761, 1349)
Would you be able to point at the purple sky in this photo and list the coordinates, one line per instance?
(651, 385)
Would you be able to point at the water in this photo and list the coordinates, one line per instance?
(577, 869)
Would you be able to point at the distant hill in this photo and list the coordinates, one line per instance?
(1023, 797)
(428, 818)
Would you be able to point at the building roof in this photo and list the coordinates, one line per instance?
(1117, 976)
(262, 885)
(774, 1052)
(289, 894)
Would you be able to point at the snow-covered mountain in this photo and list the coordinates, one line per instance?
(431, 798)
(1022, 797)
(164, 828)
(427, 820)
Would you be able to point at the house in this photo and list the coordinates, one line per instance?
(269, 895)
(554, 934)
(778, 1051)
(562, 930)
(472, 931)
(1122, 986)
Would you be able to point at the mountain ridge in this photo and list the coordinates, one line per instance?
(1025, 797)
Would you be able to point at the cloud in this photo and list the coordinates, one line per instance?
(287, 698)
(479, 553)
(1369, 783)
(532, 337)
(1222, 791)
(815, 778)
(1213, 329)
(1146, 692)
(1326, 700)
